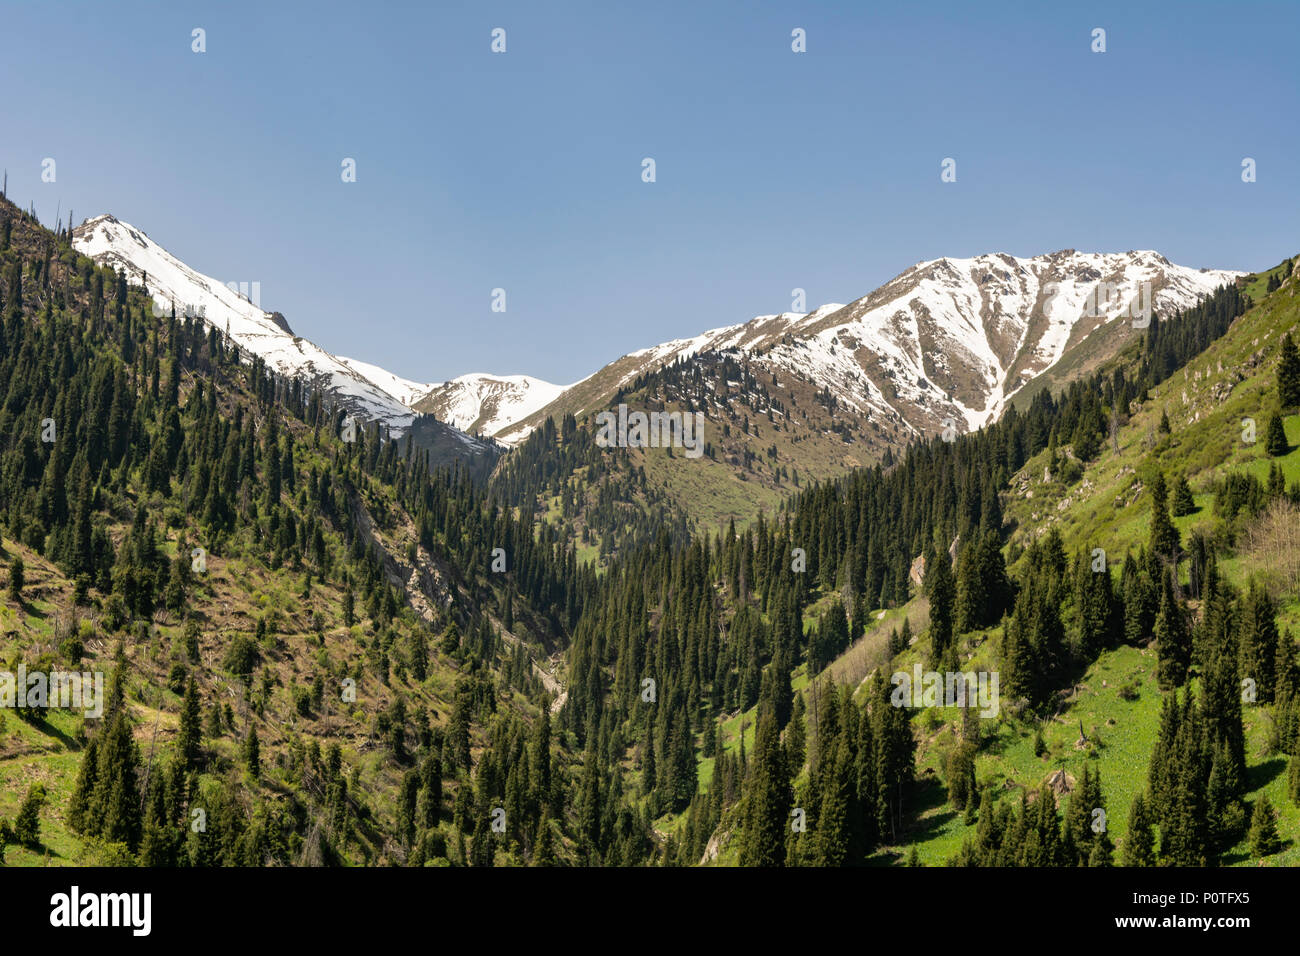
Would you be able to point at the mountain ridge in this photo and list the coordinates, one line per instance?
(870, 358)
(945, 344)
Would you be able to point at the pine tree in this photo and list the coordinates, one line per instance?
(1173, 639)
(832, 833)
(116, 805)
(1276, 444)
(962, 791)
(189, 739)
(900, 640)
(939, 580)
(1086, 440)
(1286, 670)
(1164, 536)
(84, 790)
(430, 800)
(1263, 829)
(1183, 504)
(253, 753)
(1101, 852)
(767, 798)
(1288, 374)
(1140, 841)
(544, 845)
(451, 639)
(27, 824)
(796, 736)
(1259, 642)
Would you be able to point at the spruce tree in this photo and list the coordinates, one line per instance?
(1263, 829)
(1164, 539)
(253, 753)
(189, 739)
(1140, 841)
(939, 580)
(27, 823)
(768, 800)
(1288, 374)
(1275, 443)
(1183, 504)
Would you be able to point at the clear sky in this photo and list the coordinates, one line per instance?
(523, 170)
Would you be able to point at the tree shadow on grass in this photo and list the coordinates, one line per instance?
(39, 723)
(1262, 774)
(1242, 854)
(928, 794)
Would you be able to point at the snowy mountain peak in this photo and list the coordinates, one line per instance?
(479, 403)
(476, 403)
(948, 341)
(233, 309)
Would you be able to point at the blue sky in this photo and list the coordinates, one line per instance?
(522, 170)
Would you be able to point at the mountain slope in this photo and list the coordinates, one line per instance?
(948, 341)
(294, 631)
(1102, 712)
(364, 391)
(791, 399)
(1105, 504)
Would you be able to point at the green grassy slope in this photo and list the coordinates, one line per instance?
(1206, 404)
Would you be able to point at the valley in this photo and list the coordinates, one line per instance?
(486, 627)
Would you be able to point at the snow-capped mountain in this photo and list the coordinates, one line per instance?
(489, 404)
(366, 391)
(947, 342)
(474, 404)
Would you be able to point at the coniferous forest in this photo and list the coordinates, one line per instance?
(329, 652)
(852, 448)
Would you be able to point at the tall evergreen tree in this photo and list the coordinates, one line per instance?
(1164, 539)
(189, 739)
(1275, 442)
(767, 799)
(1288, 374)
(939, 581)
(1139, 843)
